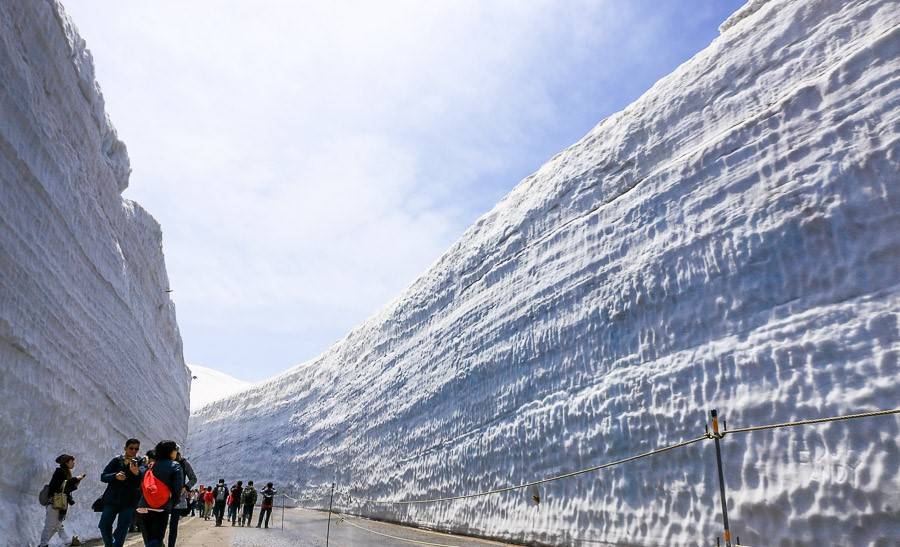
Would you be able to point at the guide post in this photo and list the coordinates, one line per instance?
(330, 505)
(714, 415)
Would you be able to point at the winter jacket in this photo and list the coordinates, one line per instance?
(208, 497)
(125, 493)
(169, 472)
(268, 495)
(56, 484)
(248, 498)
(236, 492)
(190, 479)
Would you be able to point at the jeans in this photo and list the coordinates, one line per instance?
(139, 520)
(173, 527)
(247, 516)
(155, 524)
(219, 512)
(232, 512)
(110, 511)
(264, 511)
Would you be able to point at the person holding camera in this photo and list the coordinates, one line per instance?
(122, 476)
(268, 499)
(59, 491)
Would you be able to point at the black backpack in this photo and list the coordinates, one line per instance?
(221, 493)
(44, 495)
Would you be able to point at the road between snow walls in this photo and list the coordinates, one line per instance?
(730, 240)
(90, 352)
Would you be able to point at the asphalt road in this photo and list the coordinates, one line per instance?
(305, 528)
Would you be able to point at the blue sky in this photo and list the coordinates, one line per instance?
(309, 160)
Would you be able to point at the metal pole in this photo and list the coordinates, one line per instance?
(714, 415)
(283, 501)
(330, 504)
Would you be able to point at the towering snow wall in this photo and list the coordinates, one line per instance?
(90, 352)
(730, 240)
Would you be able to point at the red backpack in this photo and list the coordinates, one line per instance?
(156, 492)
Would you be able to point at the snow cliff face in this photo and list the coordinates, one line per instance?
(90, 352)
(730, 240)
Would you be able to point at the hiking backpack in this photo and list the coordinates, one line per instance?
(156, 492)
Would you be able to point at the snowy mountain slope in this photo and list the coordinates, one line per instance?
(209, 385)
(90, 352)
(730, 240)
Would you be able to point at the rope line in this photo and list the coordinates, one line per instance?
(814, 421)
(548, 479)
(707, 436)
(344, 518)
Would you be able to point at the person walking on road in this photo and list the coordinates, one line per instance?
(59, 498)
(248, 500)
(160, 487)
(208, 501)
(150, 460)
(268, 499)
(235, 504)
(181, 503)
(192, 501)
(220, 496)
(122, 476)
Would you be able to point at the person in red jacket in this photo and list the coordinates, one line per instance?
(207, 503)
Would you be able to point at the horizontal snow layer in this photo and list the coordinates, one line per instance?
(90, 352)
(730, 240)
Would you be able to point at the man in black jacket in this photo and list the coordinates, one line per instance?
(220, 495)
(236, 492)
(122, 476)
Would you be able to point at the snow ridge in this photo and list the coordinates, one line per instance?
(748, 9)
(90, 352)
(208, 385)
(730, 240)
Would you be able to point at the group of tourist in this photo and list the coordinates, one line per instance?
(151, 494)
(239, 500)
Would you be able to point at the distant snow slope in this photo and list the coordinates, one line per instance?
(730, 240)
(90, 352)
(209, 385)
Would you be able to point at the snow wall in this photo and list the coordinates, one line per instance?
(730, 240)
(90, 352)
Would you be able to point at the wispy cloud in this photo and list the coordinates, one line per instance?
(307, 160)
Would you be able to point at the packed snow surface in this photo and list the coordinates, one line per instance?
(90, 352)
(208, 385)
(730, 240)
